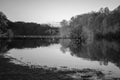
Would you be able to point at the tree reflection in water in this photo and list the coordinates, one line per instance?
(103, 51)
(5, 45)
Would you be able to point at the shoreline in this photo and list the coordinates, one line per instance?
(38, 72)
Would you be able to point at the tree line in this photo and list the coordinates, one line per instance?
(104, 23)
(25, 28)
(32, 29)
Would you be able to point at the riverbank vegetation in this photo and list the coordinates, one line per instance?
(101, 24)
(9, 28)
(32, 29)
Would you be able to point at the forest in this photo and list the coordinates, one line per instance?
(32, 29)
(8, 27)
(101, 24)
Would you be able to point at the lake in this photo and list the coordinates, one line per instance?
(101, 55)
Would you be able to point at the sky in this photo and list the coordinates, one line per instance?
(47, 11)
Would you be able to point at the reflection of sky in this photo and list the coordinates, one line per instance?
(51, 10)
(52, 56)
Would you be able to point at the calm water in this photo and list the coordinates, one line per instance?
(102, 55)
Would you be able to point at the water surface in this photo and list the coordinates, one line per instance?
(101, 55)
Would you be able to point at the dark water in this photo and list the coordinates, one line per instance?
(101, 55)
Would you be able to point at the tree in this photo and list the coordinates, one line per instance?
(106, 11)
(3, 23)
(65, 29)
(101, 10)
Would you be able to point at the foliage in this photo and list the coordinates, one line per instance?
(65, 30)
(91, 24)
(103, 51)
(3, 23)
(31, 29)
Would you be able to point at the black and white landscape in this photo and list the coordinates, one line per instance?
(59, 40)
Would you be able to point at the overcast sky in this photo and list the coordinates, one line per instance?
(44, 11)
